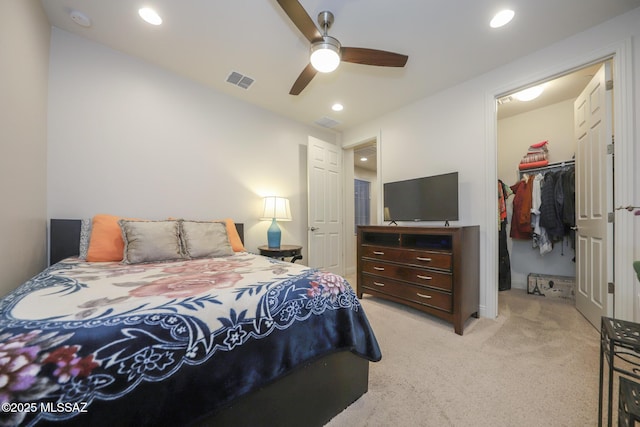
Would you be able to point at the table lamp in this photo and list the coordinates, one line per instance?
(275, 209)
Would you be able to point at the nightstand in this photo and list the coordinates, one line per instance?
(293, 251)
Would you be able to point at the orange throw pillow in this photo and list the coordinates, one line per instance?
(106, 242)
(234, 237)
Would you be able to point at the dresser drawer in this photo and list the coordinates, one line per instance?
(424, 296)
(431, 259)
(418, 276)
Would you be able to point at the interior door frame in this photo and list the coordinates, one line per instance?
(621, 54)
(348, 200)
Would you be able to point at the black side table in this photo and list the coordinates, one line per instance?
(293, 251)
(619, 342)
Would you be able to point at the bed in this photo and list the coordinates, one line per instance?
(239, 340)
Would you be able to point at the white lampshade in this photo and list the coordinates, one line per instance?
(276, 208)
(325, 55)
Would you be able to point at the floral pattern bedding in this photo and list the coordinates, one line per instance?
(165, 343)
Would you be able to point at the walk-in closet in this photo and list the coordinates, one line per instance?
(536, 186)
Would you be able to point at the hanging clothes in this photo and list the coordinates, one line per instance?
(504, 192)
(550, 216)
(547, 200)
(540, 236)
(552, 208)
(504, 261)
(521, 217)
(569, 212)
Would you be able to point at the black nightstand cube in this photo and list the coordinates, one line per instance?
(284, 251)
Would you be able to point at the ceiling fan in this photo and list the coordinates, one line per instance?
(326, 51)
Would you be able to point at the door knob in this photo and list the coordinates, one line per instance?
(314, 228)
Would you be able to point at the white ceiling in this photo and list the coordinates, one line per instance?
(448, 42)
(561, 88)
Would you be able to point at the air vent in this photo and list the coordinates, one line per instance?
(505, 100)
(239, 80)
(327, 122)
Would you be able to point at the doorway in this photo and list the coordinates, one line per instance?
(541, 130)
(361, 174)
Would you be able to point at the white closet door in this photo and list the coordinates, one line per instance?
(594, 198)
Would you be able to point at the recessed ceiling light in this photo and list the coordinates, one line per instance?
(529, 94)
(150, 16)
(363, 159)
(502, 18)
(337, 107)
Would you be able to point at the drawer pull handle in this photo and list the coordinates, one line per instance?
(423, 295)
(378, 284)
(379, 268)
(423, 259)
(420, 276)
(378, 253)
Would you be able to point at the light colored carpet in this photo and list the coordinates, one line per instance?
(534, 365)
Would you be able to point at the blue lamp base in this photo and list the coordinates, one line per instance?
(274, 235)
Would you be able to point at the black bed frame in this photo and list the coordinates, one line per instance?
(64, 238)
(331, 383)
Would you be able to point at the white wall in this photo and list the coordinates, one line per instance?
(553, 123)
(440, 134)
(24, 61)
(128, 138)
(450, 131)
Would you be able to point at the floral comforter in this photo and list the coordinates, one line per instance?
(165, 343)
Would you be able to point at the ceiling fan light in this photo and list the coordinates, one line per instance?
(325, 55)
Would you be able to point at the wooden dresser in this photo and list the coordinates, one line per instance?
(433, 269)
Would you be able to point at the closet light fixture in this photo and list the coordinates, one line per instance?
(150, 16)
(502, 18)
(529, 94)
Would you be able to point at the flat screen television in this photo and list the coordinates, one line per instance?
(430, 198)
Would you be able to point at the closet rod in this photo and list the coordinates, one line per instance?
(550, 166)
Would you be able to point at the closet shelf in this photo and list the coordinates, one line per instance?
(549, 167)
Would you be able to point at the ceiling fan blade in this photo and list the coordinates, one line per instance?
(303, 80)
(365, 56)
(301, 19)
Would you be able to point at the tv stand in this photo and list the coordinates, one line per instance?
(433, 269)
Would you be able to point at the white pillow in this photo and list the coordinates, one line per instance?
(148, 241)
(203, 239)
